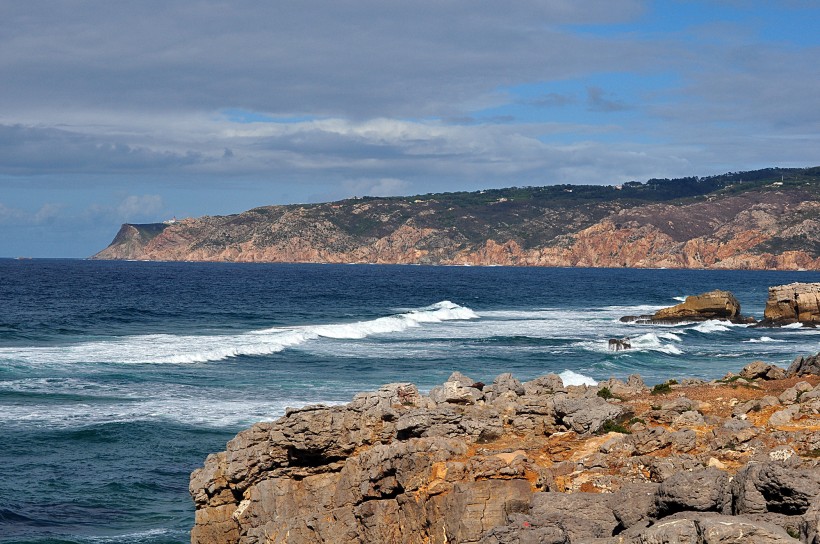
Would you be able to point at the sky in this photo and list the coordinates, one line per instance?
(114, 112)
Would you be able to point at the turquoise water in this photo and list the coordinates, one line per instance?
(118, 378)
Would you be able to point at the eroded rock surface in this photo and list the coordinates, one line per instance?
(532, 462)
(793, 303)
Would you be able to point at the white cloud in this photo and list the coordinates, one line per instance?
(142, 206)
(377, 187)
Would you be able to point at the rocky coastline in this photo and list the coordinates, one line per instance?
(720, 223)
(731, 460)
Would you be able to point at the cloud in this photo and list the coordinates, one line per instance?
(39, 150)
(552, 100)
(47, 213)
(284, 100)
(377, 187)
(139, 206)
(600, 100)
(354, 59)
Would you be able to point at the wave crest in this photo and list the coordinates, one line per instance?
(182, 349)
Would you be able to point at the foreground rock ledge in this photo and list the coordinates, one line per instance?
(734, 460)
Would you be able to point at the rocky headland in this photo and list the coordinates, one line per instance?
(730, 460)
(766, 219)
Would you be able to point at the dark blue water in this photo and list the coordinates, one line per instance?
(118, 378)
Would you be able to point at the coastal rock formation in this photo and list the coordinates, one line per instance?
(514, 462)
(793, 303)
(735, 221)
(712, 305)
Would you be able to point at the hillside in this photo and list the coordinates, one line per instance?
(765, 219)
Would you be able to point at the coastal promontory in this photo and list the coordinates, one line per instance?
(765, 219)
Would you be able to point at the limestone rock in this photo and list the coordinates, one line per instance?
(583, 515)
(712, 305)
(586, 415)
(704, 490)
(522, 464)
(793, 303)
(761, 370)
(692, 528)
(804, 366)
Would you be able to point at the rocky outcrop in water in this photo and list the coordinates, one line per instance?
(712, 305)
(716, 304)
(734, 460)
(721, 222)
(793, 303)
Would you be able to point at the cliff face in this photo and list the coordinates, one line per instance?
(729, 224)
(704, 463)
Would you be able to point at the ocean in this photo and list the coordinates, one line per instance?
(117, 379)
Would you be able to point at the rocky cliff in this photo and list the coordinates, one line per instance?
(750, 220)
(793, 303)
(733, 460)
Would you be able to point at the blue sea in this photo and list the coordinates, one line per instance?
(118, 378)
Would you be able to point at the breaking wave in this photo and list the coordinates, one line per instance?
(180, 349)
(573, 378)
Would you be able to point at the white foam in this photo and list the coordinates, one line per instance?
(793, 326)
(142, 536)
(708, 327)
(176, 349)
(573, 378)
(763, 339)
(670, 336)
(680, 299)
(124, 403)
(652, 342)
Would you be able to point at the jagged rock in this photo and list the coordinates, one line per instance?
(455, 392)
(754, 405)
(684, 440)
(793, 303)
(634, 505)
(634, 385)
(619, 344)
(687, 419)
(810, 526)
(650, 439)
(394, 466)
(504, 383)
(712, 305)
(804, 366)
(770, 487)
(585, 415)
(472, 510)
(761, 370)
(583, 515)
(703, 490)
(522, 529)
(544, 385)
(783, 417)
(692, 528)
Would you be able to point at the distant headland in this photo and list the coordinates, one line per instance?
(762, 219)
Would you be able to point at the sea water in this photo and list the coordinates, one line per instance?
(118, 378)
